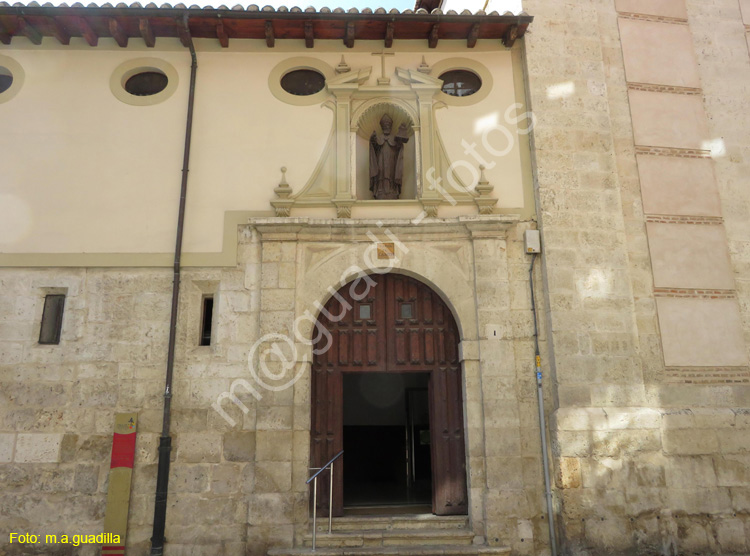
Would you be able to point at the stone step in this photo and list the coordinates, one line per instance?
(399, 537)
(391, 523)
(396, 551)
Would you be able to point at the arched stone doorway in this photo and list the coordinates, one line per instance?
(383, 327)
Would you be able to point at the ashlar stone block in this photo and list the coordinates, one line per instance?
(734, 441)
(579, 419)
(274, 476)
(733, 471)
(690, 442)
(568, 473)
(731, 535)
(199, 447)
(271, 509)
(274, 446)
(239, 446)
(690, 472)
(38, 448)
(7, 443)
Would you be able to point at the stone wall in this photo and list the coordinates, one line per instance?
(59, 402)
(237, 485)
(649, 457)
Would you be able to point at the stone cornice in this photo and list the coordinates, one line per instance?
(361, 230)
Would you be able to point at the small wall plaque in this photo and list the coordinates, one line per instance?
(386, 251)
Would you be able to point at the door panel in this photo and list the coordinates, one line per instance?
(409, 329)
(327, 431)
(356, 345)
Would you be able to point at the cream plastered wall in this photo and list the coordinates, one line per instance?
(90, 180)
(82, 171)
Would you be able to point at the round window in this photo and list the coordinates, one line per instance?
(6, 79)
(460, 83)
(303, 82)
(146, 83)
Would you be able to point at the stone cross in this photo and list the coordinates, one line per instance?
(383, 80)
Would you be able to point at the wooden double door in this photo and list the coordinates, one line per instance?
(395, 324)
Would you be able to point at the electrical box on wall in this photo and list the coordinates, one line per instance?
(532, 242)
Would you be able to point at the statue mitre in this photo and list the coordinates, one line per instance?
(384, 119)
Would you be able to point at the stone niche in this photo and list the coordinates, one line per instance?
(369, 122)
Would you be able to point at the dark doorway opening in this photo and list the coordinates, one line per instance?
(387, 439)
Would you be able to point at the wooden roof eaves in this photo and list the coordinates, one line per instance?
(211, 13)
(112, 21)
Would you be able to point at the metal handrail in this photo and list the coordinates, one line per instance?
(314, 480)
(337, 456)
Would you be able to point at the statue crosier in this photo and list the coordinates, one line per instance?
(387, 160)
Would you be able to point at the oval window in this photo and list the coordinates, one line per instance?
(146, 83)
(6, 79)
(460, 83)
(303, 82)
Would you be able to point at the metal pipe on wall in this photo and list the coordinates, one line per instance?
(165, 442)
(542, 419)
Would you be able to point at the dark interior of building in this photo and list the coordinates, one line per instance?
(387, 440)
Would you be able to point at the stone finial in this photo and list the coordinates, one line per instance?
(283, 190)
(424, 67)
(283, 204)
(343, 67)
(484, 202)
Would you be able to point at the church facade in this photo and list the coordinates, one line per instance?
(356, 198)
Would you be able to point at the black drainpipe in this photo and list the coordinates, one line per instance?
(165, 442)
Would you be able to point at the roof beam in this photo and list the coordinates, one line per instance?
(117, 32)
(270, 39)
(349, 36)
(5, 34)
(510, 36)
(309, 34)
(471, 40)
(25, 28)
(184, 34)
(87, 32)
(433, 39)
(58, 31)
(388, 41)
(146, 32)
(221, 34)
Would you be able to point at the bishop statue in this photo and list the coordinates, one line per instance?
(387, 160)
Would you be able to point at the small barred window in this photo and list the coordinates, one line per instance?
(460, 83)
